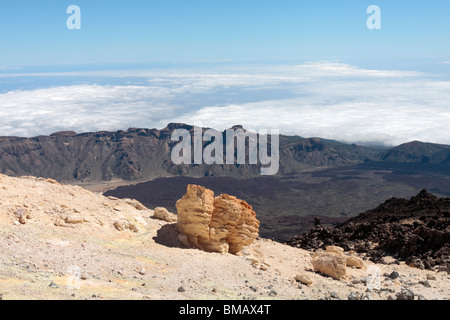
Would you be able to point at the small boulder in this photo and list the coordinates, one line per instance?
(431, 277)
(334, 249)
(125, 225)
(405, 294)
(136, 204)
(415, 263)
(303, 278)
(164, 214)
(22, 220)
(330, 264)
(73, 219)
(355, 296)
(393, 275)
(352, 261)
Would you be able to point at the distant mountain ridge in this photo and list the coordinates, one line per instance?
(417, 151)
(138, 154)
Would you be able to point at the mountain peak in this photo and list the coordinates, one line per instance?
(423, 195)
(237, 126)
(63, 134)
(173, 126)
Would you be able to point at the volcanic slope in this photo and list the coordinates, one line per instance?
(66, 243)
(416, 231)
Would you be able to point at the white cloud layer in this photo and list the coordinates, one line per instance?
(82, 108)
(323, 99)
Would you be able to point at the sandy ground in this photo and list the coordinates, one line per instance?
(103, 186)
(63, 242)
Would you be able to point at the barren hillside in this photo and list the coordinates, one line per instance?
(64, 242)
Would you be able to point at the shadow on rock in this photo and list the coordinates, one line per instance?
(167, 235)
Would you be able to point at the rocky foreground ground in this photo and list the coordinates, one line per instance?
(63, 242)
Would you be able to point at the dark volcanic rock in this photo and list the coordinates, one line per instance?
(416, 231)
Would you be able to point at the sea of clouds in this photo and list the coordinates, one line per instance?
(321, 99)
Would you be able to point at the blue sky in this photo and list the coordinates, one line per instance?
(308, 68)
(137, 31)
